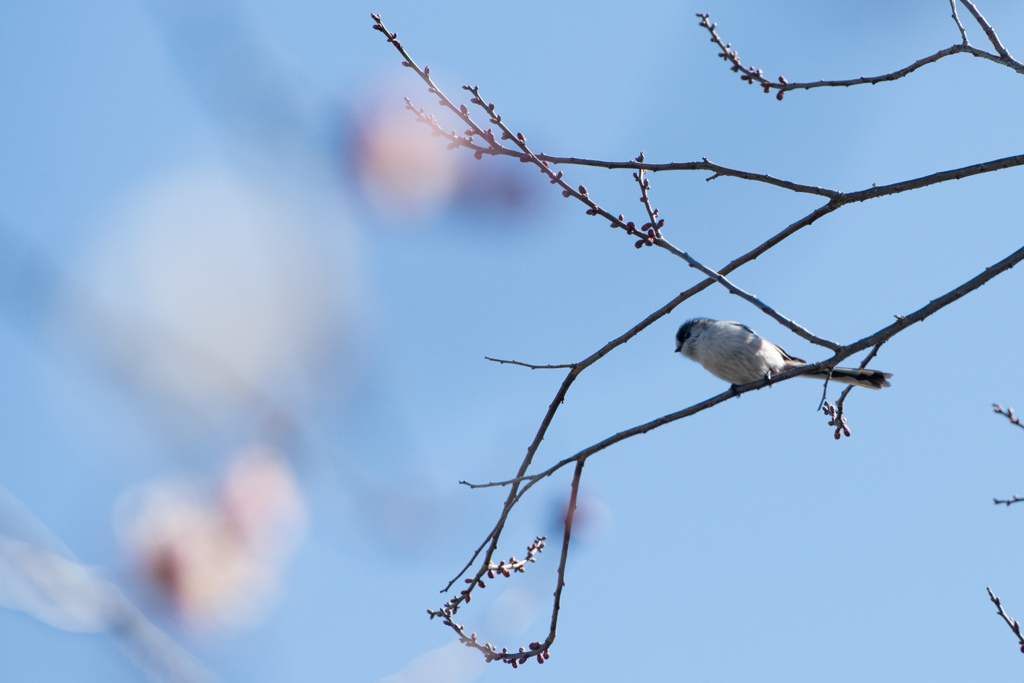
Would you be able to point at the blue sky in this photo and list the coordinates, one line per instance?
(198, 259)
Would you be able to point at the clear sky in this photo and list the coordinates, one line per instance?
(245, 304)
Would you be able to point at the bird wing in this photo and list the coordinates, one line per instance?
(785, 355)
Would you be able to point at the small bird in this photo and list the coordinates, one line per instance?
(737, 354)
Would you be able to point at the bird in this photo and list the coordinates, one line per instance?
(735, 353)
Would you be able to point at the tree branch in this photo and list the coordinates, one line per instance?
(1009, 414)
(752, 75)
(529, 365)
(1012, 623)
(989, 32)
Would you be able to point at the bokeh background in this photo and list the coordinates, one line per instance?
(245, 303)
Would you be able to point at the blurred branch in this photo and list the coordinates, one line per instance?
(62, 592)
(1008, 414)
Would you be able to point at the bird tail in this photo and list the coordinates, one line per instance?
(869, 379)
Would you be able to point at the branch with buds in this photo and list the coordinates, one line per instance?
(1008, 414)
(752, 75)
(1012, 623)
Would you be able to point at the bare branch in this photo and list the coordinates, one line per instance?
(752, 75)
(447, 612)
(702, 165)
(892, 76)
(987, 28)
(733, 289)
(835, 412)
(748, 74)
(1009, 414)
(1012, 623)
(963, 32)
(903, 322)
(530, 365)
(933, 179)
(569, 516)
(424, 74)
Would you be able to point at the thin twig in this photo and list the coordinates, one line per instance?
(1009, 414)
(733, 289)
(656, 223)
(863, 364)
(1012, 623)
(530, 365)
(569, 516)
(835, 411)
(963, 31)
(703, 165)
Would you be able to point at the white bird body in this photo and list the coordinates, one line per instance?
(738, 355)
